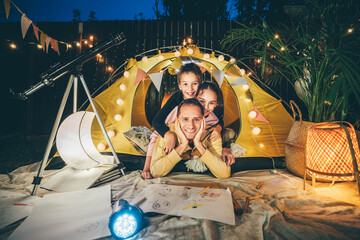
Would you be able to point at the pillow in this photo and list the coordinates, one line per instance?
(139, 137)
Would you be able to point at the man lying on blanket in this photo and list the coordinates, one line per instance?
(193, 143)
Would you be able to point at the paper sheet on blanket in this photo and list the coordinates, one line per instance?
(214, 204)
(71, 179)
(72, 215)
(15, 206)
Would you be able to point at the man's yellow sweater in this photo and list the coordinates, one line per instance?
(162, 163)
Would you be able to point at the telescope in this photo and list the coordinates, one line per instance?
(58, 70)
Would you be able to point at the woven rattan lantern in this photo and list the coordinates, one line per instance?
(332, 152)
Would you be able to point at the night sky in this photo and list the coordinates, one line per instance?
(55, 11)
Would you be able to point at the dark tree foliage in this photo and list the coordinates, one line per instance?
(91, 16)
(76, 15)
(195, 9)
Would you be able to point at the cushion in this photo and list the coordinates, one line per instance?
(139, 137)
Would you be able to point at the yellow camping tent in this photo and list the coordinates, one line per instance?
(262, 121)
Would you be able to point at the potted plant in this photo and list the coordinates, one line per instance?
(318, 53)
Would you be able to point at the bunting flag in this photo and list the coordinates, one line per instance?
(7, 7)
(156, 78)
(141, 74)
(25, 24)
(259, 117)
(55, 45)
(47, 42)
(239, 82)
(43, 37)
(202, 69)
(36, 31)
(219, 76)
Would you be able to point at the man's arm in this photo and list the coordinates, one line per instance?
(162, 163)
(212, 159)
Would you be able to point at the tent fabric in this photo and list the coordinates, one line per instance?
(269, 143)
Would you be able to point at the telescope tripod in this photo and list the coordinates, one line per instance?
(73, 80)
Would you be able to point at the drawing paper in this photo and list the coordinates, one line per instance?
(15, 206)
(72, 215)
(214, 204)
(71, 179)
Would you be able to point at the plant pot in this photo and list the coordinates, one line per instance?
(295, 144)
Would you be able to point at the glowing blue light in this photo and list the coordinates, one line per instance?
(125, 226)
(125, 221)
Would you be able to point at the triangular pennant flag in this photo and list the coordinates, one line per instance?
(54, 45)
(43, 37)
(156, 78)
(47, 41)
(239, 82)
(202, 69)
(259, 117)
(219, 76)
(7, 7)
(25, 24)
(36, 31)
(141, 74)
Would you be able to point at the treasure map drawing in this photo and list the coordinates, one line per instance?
(214, 204)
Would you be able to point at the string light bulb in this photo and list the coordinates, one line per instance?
(85, 42)
(77, 44)
(256, 131)
(91, 37)
(69, 45)
(122, 87)
(144, 59)
(177, 54)
(245, 87)
(276, 36)
(242, 72)
(221, 58)
(189, 40)
(39, 46)
(206, 56)
(190, 51)
(161, 58)
(90, 45)
(247, 100)
(268, 44)
(126, 74)
(101, 147)
(252, 114)
(261, 145)
(350, 30)
(111, 133)
(109, 69)
(282, 49)
(232, 60)
(117, 117)
(119, 101)
(249, 73)
(12, 46)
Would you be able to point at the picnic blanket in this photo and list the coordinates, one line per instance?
(285, 211)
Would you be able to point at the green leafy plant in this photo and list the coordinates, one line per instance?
(318, 53)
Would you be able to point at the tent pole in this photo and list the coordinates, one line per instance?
(43, 162)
